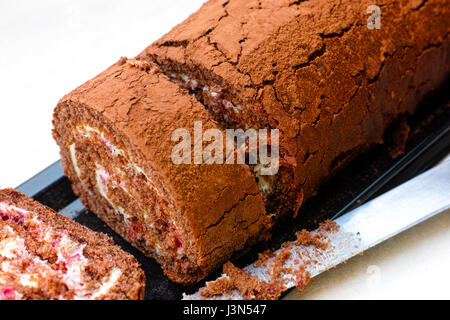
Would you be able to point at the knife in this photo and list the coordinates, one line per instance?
(362, 228)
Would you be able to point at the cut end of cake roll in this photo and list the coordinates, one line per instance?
(115, 134)
(44, 255)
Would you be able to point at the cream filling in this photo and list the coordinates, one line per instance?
(101, 173)
(73, 157)
(28, 280)
(4, 207)
(75, 263)
(17, 252)
(192, 84)
(89, 132)
(9, 246)
(70, 257)
(105, 180)
(108, 283)
(264, 182)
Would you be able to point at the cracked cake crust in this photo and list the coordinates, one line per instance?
(133, 109)
(313, 70)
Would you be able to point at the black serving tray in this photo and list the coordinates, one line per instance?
(371, 174)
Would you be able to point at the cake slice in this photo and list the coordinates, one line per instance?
(44, 255)
(116, 134)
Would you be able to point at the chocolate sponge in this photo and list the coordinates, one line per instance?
(44, 255)
(115, 138)
(314, 70)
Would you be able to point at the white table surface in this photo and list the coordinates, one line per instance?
(49, 47)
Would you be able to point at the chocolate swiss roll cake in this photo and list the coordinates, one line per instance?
(330, 75)
(44, 255)
(116, 138)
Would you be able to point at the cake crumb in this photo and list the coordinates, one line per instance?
(217, 287)
(249, 286)
(263, 257)
(329, 226)
(307, 238)
(277, 269)
(303, 279)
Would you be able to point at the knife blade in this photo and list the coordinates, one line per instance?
(42, 180)
(362, 228)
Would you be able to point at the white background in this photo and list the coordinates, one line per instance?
(47, 48)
